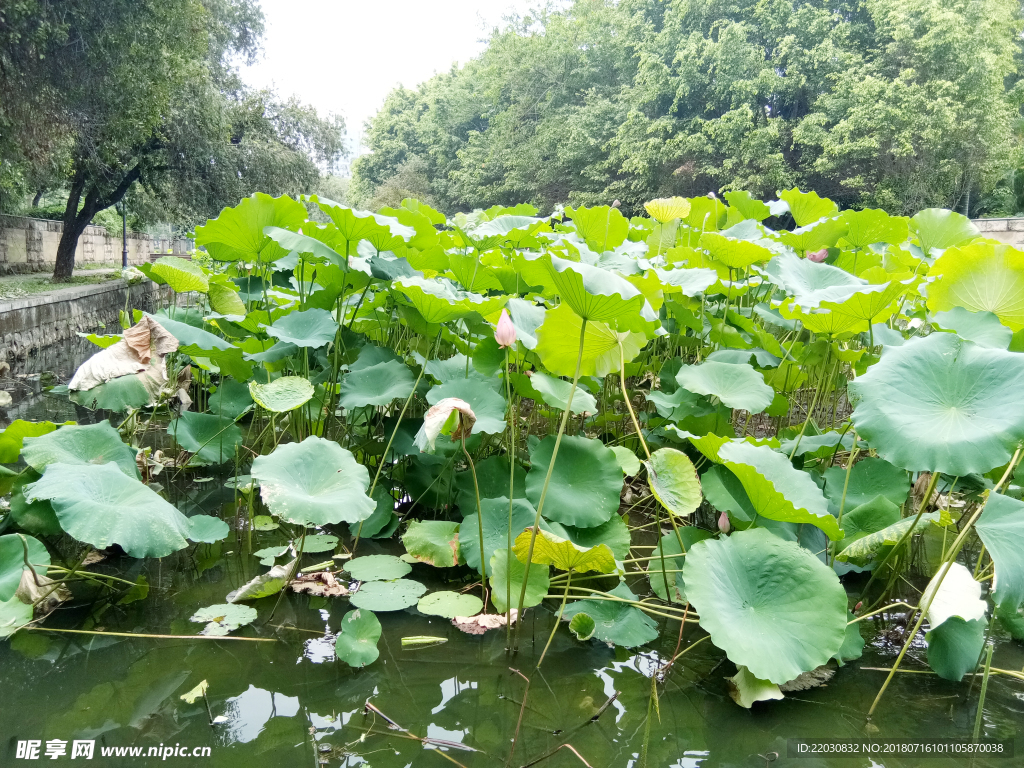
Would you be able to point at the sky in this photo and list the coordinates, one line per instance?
(344, 56)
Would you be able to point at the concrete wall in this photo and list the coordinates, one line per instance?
(30, 324)
(30, 245)
(1009, 231)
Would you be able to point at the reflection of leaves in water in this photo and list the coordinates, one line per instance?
(251, 710)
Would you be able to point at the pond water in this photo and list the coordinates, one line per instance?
(290, 703)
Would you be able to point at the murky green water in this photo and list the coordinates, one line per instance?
(289, 703)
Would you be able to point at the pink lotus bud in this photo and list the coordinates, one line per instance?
(505, 333)
(723, 523)
(818, 256)
(616, 204)
(858, 606)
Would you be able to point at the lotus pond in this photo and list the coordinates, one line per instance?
(399, 489)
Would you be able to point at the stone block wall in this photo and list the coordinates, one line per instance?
(1009, 231)
(30, 245)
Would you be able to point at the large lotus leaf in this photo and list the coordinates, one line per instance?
(746, 206)
(213, 439)
(207, 529)
(12, 438)
(434, 542)
(870, 225)
(821, 446)
(770, 604)
(237, 233)
(746, 689)
(955, 646)
(982, 277)
(221, 619)
(558, 344)
(674, 481)
(725, 493)
(776, 490)
(732, 251)
(487, 404)
(602, 227)
(356, 644)
(118, 395)
(526, 318)
(311, 328)
(687, 281)
(869, 478)
(672, 574)
(628, 461)
(315, 482)
(1001, 528)
(506, 578)
(438, 301)
(809, 282)
(228, 362)
(100, 505)
(982, 328)
(823, 233)
(450, 604)
(550, 549)
(953, 591)
(823, 322)
(940, 229)
(87, 444)
(868, 518)
(870, 304)
(377, 568)
(616, 622)
(230, 400)
(736, 385)
(15, 551)
(585, 484)
(614, 534)
(376, 385)
(297, 242)
(387, 595)
(493, 476)
(496, 528)
(283, 394)
(224, 296)
(942, 404)
(191, 336)
(553, 392)
(181, 275)
(862, 550)
(14, 614)
(807, 207)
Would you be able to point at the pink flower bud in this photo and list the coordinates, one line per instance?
(505, 333)
(858, 606)
(818, 256)
(723, 523)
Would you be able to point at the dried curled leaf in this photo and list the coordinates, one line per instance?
(321, 584)
(477, 625)
(805, 681)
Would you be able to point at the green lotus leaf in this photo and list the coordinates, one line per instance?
(297, 242)
(628, 461)
(438, 301)
(983, 328)
(861, 551)
(937, 228)
(853, 645)
(487, 404)
(221, 619)
(376, 385)
(450, 604)
(553, 392)
(213, 439)
(747, 206)
(737, 386)
(711, 443)
(688, 281)
(224, 298)
(387, 595)
(870, 225)
(183, 276)
(228, 362)
(311, 328)
(871, 304)
(315, 482)
(941, 404)
(14, 614)
(809, 282)
(823, 233)
(100, 505)
(266, 584)
(558, 343)
(982, 277)
(869, 478)
(434, 542)
(87, 444)
(1001, 528)
(237, 234)
(732, 251)
(673, 481)
(746, 689)
(616, 622)
(118, 395)
(319, 542)
(770, 604)
(725, 493)
(271, 353)
(614, 534)
(819, 446)
(264, 523)
(207, 529)
(602, 227)
(585, 484)
(506, 579)
(356, 644)
(583, 626)
(496, 528)
(493, 475)
(526, 318)
(955, 646)
(282, 395)
(870, 517)
(268, 555)
(14, 549)
(12, 439)
(377, 568)
(672, 574)
(550, 549)
(776, 490)
(36, 517)
(807, 207)
(230, 400)
(822, 322)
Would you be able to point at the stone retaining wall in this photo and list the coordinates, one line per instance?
(30, 245)
(1009, 231)
(30, 324)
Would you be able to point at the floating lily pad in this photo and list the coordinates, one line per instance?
(388, 595)
(319, 542)
(955, 646)
(450, 604)
(268, 555)
(377, 568)
(583, 626)
(356, 644)
(206, 528)
(616, 622)
(264, 523)
(221, 619)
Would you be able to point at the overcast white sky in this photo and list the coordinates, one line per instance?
(344, 56)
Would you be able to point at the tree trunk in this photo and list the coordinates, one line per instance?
(65, 264)
(37, 198)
